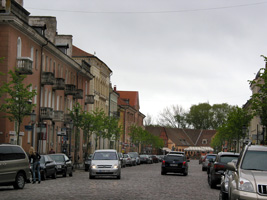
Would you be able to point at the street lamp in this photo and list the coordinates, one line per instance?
(33, 119)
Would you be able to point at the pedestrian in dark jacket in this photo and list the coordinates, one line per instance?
(34, 158)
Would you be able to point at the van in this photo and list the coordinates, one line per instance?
(14, 166)
(105, 162)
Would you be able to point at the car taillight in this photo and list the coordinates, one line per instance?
(217, 166)
(163, 162)
(184, 163)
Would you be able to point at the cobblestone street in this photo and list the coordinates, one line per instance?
(139, 182)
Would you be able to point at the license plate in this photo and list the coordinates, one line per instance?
(103, 171)
(173, 165)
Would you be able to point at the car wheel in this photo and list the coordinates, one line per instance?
(223, 196)
(70, 174)
(91, 177)
(65, 173)
(163, 173)
(119, 176)
(44, 176)
(185, 174)
(211, 182)
(19, 182)
(54, 176)
(203, 168)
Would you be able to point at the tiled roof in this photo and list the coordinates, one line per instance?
(132, 96)
(184, 137)
(77, 52)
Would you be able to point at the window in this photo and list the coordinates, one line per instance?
(18, 47)
(36, 59)
(32, 49)
(204, 141)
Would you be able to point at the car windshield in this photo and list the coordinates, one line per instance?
(58, 158)
(227, 159)
(105, 156)
(133, 155)
(255, 160)
(143, 156)
(210, 156)
(174, 158)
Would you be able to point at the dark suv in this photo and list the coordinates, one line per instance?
(218, 166)
(14, 166)
(175, 163)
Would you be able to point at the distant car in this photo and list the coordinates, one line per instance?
(206, 161)
(136, 156)
(87, 162)
(105, 162)
(174, 163)
(155, 158)
(14, 166)
(176, 152)
(218, 166)
(201, 159)
(129, 160)
(145, 159)
(248, 180)
(64, 164)
(48, 167)
(122, 159)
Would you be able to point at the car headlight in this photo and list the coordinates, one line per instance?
(245, 185)
(115, 166)
(93, 166)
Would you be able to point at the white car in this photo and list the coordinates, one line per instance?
(105, 162)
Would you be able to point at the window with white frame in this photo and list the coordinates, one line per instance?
(19, 47)
(204, 141)
(36, 59)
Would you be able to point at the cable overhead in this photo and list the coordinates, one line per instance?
(154, 12)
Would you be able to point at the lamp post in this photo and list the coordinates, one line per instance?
(33, 119)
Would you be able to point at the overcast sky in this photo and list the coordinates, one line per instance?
(173, 52)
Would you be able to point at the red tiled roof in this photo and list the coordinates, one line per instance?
(78, 52)
(132, 96)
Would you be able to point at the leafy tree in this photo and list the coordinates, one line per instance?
(200, 116)
(259, 100)
(98, 124)
(219, 114)
(17, 104)
(76, 116)
(112, 128)
(87, 127)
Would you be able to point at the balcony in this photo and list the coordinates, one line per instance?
(67, 118)
(59, 84)
(24, 65)
(89, 99)
(48, 78)
(46, 113)
(79, 94)
(70, 89)
(58, 116)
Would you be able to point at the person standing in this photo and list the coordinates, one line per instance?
(35, 158)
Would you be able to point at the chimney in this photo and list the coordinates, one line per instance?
(115, 88)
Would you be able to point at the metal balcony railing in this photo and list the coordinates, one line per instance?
(89, 99)
(59, 84)
(70, 89)
(48, 78)
(79, 94)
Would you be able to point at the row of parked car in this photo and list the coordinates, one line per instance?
(240, 176)
(15, 168)
(129, 159)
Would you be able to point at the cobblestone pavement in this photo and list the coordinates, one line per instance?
(138, 182)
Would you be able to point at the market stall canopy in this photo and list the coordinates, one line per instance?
(199, 149)
(166, 149)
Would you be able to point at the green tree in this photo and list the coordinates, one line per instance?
(18, 99)
(98, 124)
(76, 116)
(259, 100)
(87, 127)
(113, 131)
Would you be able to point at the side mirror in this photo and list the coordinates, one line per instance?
(231, 166)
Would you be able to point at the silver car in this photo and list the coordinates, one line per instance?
(248, 180)
(14, 166)
(105, 162)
